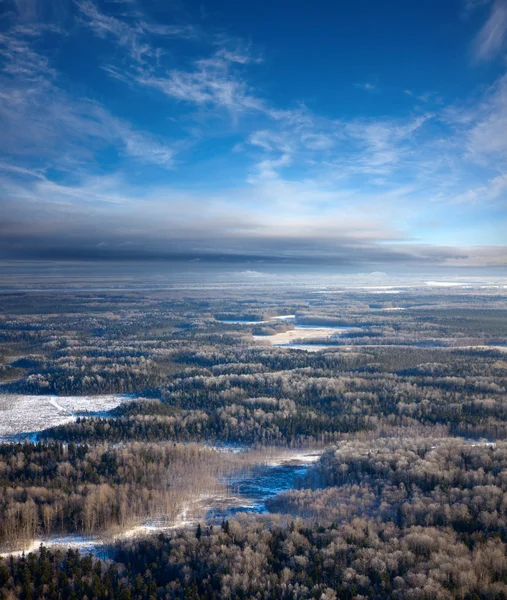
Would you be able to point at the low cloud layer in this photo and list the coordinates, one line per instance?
(163, 148)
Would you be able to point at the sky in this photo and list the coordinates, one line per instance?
(351, 134)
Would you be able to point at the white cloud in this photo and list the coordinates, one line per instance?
(495, 188)
(306, 183)
(471, 5)
(318, 141)
(491, 38)
(133, 37)
(39, 119)
(242, 57)
(487, 137)
(210, 82)
(368, 87)
(19, 58)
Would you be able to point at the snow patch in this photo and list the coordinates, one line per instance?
(20, 414)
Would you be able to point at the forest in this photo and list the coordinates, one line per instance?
(401, 400)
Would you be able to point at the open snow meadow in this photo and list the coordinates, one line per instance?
(22, 415)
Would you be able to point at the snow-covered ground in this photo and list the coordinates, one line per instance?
(63, 542)
(300, 334)
(21, 414)
(247, 492)
(295, 458)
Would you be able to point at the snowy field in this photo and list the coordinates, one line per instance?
(300, 334)
(29, 414)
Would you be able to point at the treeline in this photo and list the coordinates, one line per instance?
(96, 375)
(412, 481)
(254, 421)
(56, 488)
(249, 559)
(67, 576)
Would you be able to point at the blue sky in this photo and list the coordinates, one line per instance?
(357, 133)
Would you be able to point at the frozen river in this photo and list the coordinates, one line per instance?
(262, 483)
(248, 492)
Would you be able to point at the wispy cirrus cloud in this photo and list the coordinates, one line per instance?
(19, 57)
(494, 189)
(341, 152)
(486, 136)
(480, 126)
(39, 119)
(134, 36)
(384, 143)
(210, 82)
(366, 86)
(491, 39)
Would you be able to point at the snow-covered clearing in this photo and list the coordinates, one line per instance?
(21, 414)
(295, 458)
(300, 334)
(63, 542)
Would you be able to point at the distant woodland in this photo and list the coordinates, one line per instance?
(409, 408)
